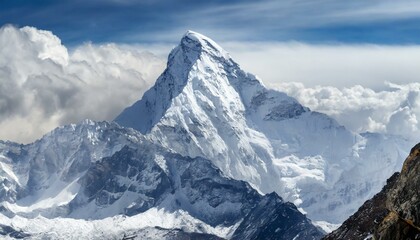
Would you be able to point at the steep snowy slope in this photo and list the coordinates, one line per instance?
(205, 105)
(54, 187)
(45, 173)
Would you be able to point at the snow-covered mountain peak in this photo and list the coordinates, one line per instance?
(201, 43)
(201, 75)
(196, 67)
(205, 105)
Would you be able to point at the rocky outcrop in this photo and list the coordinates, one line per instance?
(274, 219)
(362, 224)
(193, 185)
(394, 213)
(403, 202)
(113, 180)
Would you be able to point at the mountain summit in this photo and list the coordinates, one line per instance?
(205, 105)
(198, 67)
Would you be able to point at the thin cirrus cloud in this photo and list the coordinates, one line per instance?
(358, 21)
(323, 21)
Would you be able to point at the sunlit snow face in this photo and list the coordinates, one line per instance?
(365, 87)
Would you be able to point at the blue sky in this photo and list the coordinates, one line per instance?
(151, 21)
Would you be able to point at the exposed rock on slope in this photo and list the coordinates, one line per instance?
(394, 213)
(90, 173)
(271, 220)
(205, 105)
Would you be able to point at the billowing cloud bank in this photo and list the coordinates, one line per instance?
(395, 110)
(43, 86)
(365, 87)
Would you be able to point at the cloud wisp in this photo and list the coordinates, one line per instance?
(322, 21)
(376, 21)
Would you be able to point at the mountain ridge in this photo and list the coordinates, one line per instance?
(205, 105)
(109, 173)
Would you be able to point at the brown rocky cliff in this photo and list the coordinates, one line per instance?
(403, 202)
(393, 213)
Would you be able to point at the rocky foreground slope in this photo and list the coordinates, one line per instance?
(393, 213)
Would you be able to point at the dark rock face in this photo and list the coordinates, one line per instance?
(403, 202)
(279, 110)
(7, 231)
(363, 223)
(205, 185)
(167, 234)
(107, 180)
(66, 152)
(116, 171)
(274, 219)
(285, 111)
(194, 185)
(394, 213)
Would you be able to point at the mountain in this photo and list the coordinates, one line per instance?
(393, 213)
(81, 179)
(205, 105)
(206, 153)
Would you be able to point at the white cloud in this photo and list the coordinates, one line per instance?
(403, 121)
(286, 18)
(43, 86)
(393, 111)
(348, 82)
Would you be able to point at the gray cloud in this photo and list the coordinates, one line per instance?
(43, 86)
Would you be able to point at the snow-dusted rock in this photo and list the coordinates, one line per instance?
(96, 174)
(205, 105)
